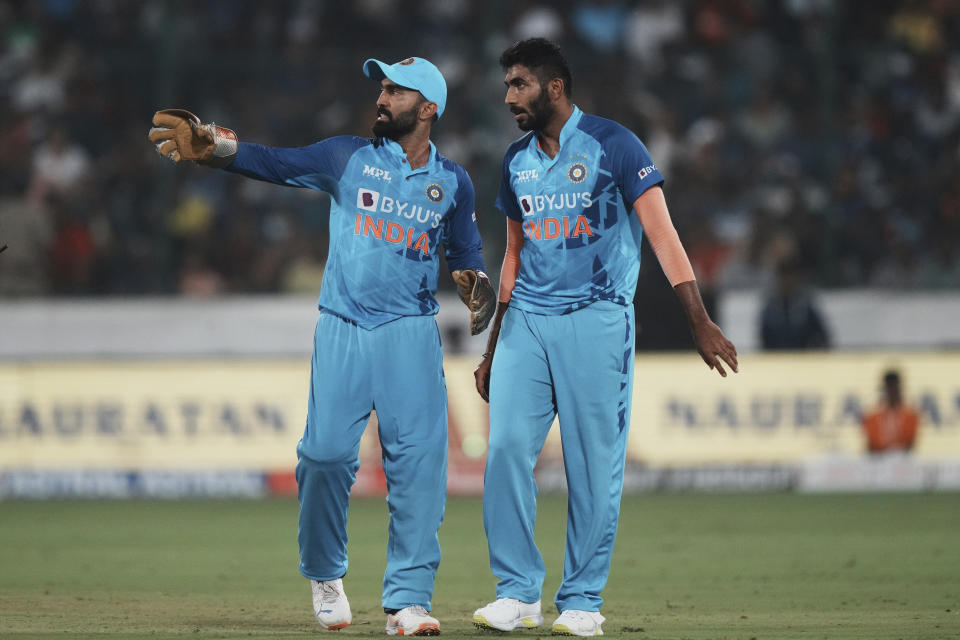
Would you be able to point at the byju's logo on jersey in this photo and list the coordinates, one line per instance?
(577, 172)
(527, 174)
(367, 199)
(377, 172)
(370, 200)
(554, 202)
(643, 173)
(434, 193)
(526, 203)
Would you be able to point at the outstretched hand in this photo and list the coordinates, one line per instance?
(179, 135)
(714, 347)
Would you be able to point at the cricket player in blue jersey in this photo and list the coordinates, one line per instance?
(394, 201)
(578, 191)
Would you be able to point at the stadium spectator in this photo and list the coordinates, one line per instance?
(790, 318)
(59, 165)
(892, 425)
(25, 229)
(72, 248)
(649, 29)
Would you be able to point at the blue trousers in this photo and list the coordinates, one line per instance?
(397, 370)
(578, 366)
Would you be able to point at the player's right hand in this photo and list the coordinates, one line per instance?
(482, 376)
(179, 135)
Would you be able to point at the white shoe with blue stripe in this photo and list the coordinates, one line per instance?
(330, 604)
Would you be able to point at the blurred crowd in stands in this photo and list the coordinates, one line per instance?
(821, 133)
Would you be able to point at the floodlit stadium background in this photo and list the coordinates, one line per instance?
(156, 320)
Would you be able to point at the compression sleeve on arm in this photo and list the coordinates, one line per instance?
(511, 260)
(651, 208)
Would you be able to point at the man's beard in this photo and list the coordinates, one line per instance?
(396, 127)
(538, 114)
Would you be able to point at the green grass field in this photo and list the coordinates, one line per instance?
(697, 566)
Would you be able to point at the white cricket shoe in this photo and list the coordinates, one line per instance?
(507, 614)
(574, 622)
(412, 621)
(330, 604)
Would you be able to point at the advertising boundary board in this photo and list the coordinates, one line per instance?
(230, 427)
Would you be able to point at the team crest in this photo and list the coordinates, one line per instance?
(577, 172)
(434, 193)
(406, 61)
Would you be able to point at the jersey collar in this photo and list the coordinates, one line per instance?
(400, 158)
(569, 127)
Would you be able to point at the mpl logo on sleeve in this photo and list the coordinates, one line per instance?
(367, 199)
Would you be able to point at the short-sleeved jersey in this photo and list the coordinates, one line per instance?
(387, 221)
(581, 236)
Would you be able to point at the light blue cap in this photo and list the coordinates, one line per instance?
(412, 73)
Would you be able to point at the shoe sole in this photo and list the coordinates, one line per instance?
(337, 627)
(481, 622)
(564, 630)
(425, 629)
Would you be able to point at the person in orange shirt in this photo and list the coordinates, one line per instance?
(892, 425)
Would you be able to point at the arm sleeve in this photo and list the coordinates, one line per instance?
(511, 260)
(651, 208)
(463, 242)
(317, 166)
(506, 198)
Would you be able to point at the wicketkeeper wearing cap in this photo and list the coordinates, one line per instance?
(394, 201)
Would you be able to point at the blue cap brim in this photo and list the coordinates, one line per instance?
(374, 69)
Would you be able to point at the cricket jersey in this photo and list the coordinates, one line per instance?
(581, 236)
(387, 221)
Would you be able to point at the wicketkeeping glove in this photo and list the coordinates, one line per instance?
(179, 135)
(476, 292)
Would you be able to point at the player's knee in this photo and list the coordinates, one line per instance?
(507, 444)
(329, 457)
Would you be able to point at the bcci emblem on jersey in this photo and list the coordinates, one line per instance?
(577, 172)
(434, 193)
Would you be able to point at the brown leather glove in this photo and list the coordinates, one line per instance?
(179, 135)
(476, 292)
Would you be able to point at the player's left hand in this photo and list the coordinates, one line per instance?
(482, 376)
(714, 347)
(476, 292)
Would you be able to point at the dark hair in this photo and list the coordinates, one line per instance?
(891, 377)
(543, 58)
